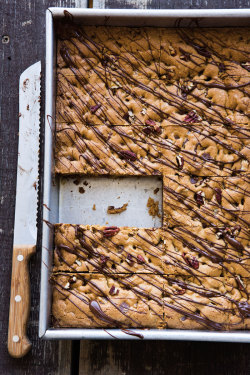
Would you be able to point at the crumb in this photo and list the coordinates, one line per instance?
(85, 183)
(118, 198)
(81, 190)
(35, 185)
(94, 207)
(156, 190)
(113, 210)
(106, 222)
(76, 182)
(153, 207)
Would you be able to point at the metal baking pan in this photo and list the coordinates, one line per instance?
(53, 192)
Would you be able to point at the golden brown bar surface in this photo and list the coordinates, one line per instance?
(167, 102)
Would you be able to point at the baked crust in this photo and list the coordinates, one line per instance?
(135, 77)
(139, 301)
(168, 102)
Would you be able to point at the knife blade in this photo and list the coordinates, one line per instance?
(25, 228)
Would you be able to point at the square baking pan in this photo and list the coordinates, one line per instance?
(52, 197)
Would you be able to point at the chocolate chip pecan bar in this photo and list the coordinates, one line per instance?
(107, 249)
(167, 102)
(124, 301)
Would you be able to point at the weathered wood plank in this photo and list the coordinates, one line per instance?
(24, 23)
(163, 357)
(170, 4)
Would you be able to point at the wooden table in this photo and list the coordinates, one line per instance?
(23, 21)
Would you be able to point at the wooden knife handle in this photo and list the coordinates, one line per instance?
(18, 342)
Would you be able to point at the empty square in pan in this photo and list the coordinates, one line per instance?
(91, 201)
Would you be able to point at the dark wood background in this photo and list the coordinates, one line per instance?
(23, 21)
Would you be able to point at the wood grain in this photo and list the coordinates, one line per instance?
(24, 22)
(163, 357)
(18, 342)
(176, 4)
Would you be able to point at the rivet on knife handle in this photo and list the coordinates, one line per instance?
(18, 342)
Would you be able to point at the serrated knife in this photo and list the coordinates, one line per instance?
(25, 229)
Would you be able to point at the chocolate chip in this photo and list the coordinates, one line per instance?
(81, 190)
(180, 161)
(221, 67)
(129, 260)
(147, 130)
(199, 197)
(103, 260)
(206, 156)
(126, 116)
(194, 179)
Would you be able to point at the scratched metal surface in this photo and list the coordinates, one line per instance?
(24, 23)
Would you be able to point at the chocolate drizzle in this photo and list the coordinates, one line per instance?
(114, 69)
(124, 280)
(200, 118)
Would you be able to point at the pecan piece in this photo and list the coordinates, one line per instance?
(112, 210)
(140, 259)
(239, 282)
(110, 231)
(94, 108)
(129, 155)
(180, 161)
(218, 195)
(180, 291)
(151, 127)
(150, 122)
(113, 291)
(191, 117)
(191, 261)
